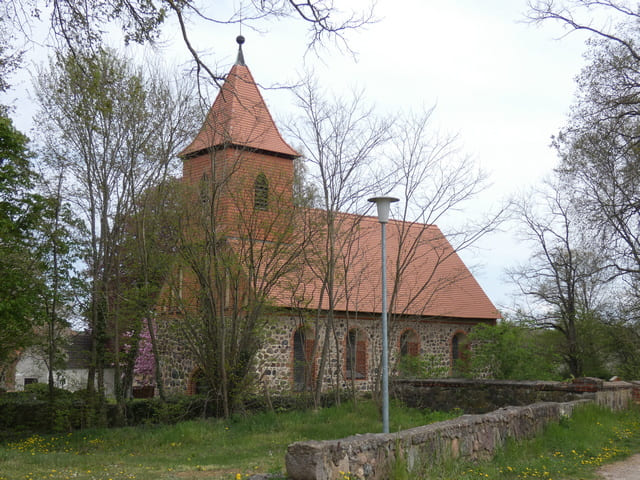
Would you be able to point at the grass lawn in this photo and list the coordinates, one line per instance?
(215, 449)
(203, 449)
(571, 449)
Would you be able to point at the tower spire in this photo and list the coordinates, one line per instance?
(240, 59)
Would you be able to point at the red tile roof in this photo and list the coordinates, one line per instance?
(435, 281)
(239, 116)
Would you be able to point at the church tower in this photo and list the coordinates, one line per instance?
(240, 148)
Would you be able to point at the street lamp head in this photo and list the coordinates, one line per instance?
(384, 205)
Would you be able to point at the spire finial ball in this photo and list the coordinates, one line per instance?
(240, 39)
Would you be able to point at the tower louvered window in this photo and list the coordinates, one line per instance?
(261, 192)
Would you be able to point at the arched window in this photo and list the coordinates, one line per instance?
(261, 192)
(409, 344)
(302, 360)
(356, 355)
(459, 352)
(197, 383)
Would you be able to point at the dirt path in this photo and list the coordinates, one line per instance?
(628, 469)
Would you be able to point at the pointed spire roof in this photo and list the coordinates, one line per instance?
(239, 117)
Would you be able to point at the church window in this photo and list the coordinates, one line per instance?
(459, 353)
(356, 355)
(261, 192)
(409, 344)
(302, 360)
(198, 383)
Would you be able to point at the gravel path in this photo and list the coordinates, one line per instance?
(628, 469)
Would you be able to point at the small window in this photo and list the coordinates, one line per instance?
(261, 192)
(459, 353)
(409, 344)
(356, 355)
(29, 381)
(198, 383)
(302, 360)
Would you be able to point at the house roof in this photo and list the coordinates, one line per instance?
(239, 117)
(425, 275)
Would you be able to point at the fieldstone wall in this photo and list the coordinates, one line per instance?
(371, 456)
(480, 396)
(176, 362)
(274, 362)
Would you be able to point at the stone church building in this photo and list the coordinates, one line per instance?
(433, 305)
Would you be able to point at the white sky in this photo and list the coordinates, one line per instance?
(504, 85)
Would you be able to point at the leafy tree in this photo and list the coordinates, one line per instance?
(599, 145)
(59, 251)
(114, 130)
(599, 152)
(512, 351)
(20, 216)
(619, 338)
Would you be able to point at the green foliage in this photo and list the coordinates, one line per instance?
(33, 410)
(570, 449)
(622, 343)
(399, 466)
(508, 351)
(110, 132)
(20, 218)
(424, 366)
(243, 444)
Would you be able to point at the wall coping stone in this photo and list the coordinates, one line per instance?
(576, 385)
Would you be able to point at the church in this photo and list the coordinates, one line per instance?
(321, 330)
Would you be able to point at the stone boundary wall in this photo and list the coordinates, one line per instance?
(370, 456)
(481, 396)
(476, 436)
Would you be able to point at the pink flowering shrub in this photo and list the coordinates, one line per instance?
(144, 368)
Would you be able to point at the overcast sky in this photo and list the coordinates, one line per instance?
(503, 85)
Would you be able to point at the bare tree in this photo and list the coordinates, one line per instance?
(610, 20)
(237, 243)
(566, 276)
(347, 147)
(434, 181)
(341, 138)
(82, 24)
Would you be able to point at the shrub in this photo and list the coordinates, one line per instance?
(508, 351)
(425, 366)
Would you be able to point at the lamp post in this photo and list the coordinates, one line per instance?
(384, 205)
